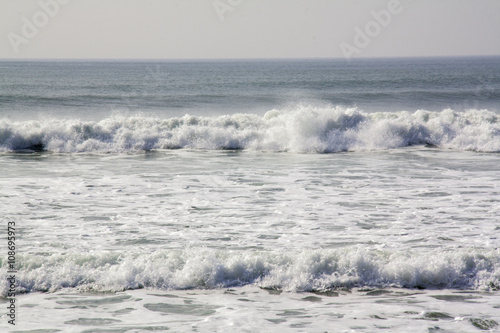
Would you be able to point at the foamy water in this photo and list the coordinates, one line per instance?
(251, 309)
(413, 218)
(302, 129)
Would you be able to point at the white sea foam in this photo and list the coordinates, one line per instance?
(302, 271)
(299, 129)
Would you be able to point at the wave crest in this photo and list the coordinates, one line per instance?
(301, 129)
(304, 270)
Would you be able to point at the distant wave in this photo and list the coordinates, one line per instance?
(305, 270)
(304, 129)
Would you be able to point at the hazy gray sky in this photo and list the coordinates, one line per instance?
(247, 28)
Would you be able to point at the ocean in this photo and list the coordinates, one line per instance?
(250, 195)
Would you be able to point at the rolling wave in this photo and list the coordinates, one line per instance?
(305, 270)
(303, 129)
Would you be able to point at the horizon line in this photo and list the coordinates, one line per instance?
(235, 59)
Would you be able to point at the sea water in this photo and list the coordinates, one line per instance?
(252, 196)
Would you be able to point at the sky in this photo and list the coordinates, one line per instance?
(208, 29)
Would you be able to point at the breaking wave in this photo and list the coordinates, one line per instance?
(305, 270)
(303, 129)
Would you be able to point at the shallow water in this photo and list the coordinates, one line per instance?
(251, 309)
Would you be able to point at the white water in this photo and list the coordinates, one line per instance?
(303, 270)
(195, 223)
(299, 129)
